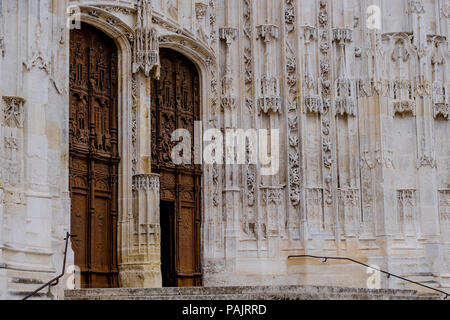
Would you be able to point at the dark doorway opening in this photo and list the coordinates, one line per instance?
(168, 243)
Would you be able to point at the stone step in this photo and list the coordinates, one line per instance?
(244, 293)
(256, 297)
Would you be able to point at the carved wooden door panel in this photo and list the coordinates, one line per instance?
(176, 105)
(94, 156)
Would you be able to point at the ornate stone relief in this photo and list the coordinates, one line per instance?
(416, 6)
(172, 9)
(143, 185)
(272, 198)
(404, 107)
(406, 206)
(13, 112)
(367, 196)
(228, 34)
(200, 14)
(188, 42)
(293, 127)
(312, 101)
(13, 116)
(345, 103)
(328, 159)
(342, 35)
(38, 60)
(229, 101)
(440, 94)
(441, 109)
(213, 86)
(403, 102)
(117, 9)
(269, 100)
(384, 156)
(350, 212)
(427, 159)
(213, 36)
(314, 209)
(247, 28)
(272, 195)
(146, 47)
(134, 115)
(445, 9)
(200, 10)
(444, 207)
(146, 182)
(216, 185)
(143, 254)
(268, 87)
(267, 32)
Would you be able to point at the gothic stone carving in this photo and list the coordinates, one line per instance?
(146, 47)
(13, 112)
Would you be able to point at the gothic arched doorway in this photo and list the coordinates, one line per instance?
(176, 105)
(94, 156)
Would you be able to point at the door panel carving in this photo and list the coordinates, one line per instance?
(176, 105)
(94, 157)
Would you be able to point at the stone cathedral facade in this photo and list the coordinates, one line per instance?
(91, 90)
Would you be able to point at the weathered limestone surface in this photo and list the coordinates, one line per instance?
(363, 115)
(246, 293)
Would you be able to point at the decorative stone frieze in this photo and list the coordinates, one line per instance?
(13, 112)
(267, 32)
(342, 35)
(272, 194)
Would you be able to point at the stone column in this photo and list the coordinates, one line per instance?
(141, 261)
(231, 192)
(140, 253)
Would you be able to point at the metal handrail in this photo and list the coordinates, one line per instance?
(55, 281)
(325, 259)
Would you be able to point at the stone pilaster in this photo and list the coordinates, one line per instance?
(231, 193)
(140, 265)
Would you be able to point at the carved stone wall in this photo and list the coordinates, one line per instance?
(363, 114)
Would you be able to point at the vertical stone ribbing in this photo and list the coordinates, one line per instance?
(294, 173)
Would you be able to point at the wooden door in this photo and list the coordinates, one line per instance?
(176, 105)
(94, 156)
